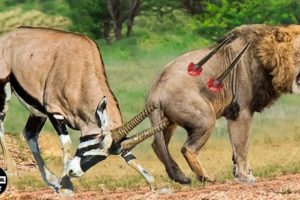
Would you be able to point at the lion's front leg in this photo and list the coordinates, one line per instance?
(238, 133)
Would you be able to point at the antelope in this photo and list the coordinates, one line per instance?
(60, 75)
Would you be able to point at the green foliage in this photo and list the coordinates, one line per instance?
(222, 15)
(102, 18)
(14, 18)
(157, 18)
(159, 7)
(52, 7)
(87, 16)
(173, 28)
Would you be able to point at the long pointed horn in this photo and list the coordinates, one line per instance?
(195, 69)
(233, 63)
(139, 137)
(123, 130)
(216, 85)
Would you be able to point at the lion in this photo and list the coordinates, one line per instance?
(267, 70)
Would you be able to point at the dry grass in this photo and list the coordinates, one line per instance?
(274, 150)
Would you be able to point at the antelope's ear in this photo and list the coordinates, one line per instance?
(101, 116)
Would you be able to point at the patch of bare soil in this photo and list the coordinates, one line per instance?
(18, 148)
(284, 187)
(20, 153)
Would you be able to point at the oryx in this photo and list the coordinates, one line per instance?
(60, 76)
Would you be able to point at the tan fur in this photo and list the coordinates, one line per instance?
(275, 51)
(61, 76)
(267, 70)
(63, 71)
(58, 75)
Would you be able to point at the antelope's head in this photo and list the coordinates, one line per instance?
(95, 148)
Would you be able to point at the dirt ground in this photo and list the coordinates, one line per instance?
(284, 187)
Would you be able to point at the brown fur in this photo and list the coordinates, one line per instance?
(273, 47)
(66, 73)
(59, 75)
(265, 72)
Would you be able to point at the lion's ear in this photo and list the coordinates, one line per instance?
(282, 35)
(275, 52)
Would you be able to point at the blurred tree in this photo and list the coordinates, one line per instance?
(116, 10)
(99, 18)
(133, 12)
(220, 16)
(114, 19)
(90, 17)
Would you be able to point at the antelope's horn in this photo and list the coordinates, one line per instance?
(233, 63)
(123, 130)
(139, 137)
(213, 52)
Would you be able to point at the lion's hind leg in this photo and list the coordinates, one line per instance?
(198, 119)
(160, 147)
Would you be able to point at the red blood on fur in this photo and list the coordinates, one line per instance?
(194, 70)
(214, 85)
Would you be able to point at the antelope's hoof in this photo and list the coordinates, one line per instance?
(66, 183)
(206, 179)
(246, 179)
(164, 190)
(66, 192)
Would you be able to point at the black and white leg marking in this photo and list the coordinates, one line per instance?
(65, 140)
(132, 162)
(91, 150)
(5, 95)
(31, 133)
(58, 123)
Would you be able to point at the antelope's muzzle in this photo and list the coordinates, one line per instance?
(79, 165)
(91, 150)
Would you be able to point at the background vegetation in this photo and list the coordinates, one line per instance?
(137, 38)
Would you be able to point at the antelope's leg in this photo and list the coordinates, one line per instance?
(66, 143)
(5, 95)
(31, 133)
(238, 132)
(132, 162)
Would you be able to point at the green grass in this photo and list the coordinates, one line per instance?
(131, 66)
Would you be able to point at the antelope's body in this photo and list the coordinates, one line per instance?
(61, 76)
(264, 73)
(60, 73)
